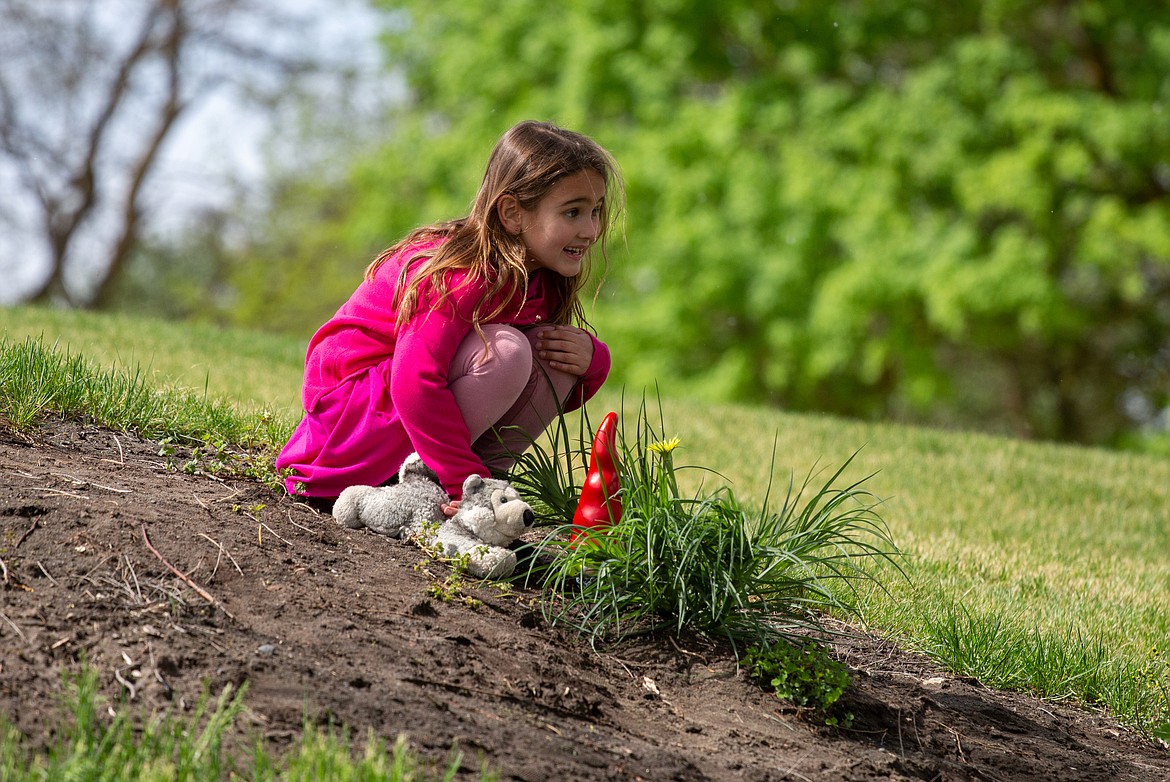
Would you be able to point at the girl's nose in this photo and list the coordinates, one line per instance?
(593, 229)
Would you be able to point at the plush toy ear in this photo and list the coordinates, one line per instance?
(472, 483)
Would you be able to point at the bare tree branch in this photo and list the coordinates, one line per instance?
(90, 94)
(131, 211)
(62, 219)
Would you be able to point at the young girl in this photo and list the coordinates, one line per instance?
(461, 342)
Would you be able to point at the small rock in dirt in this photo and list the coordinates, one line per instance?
(265, 649)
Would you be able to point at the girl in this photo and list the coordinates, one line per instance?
(461, 343)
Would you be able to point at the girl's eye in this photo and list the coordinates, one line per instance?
(572, 213)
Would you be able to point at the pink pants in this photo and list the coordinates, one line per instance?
(507, 395)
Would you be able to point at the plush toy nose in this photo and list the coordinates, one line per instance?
(529, 518)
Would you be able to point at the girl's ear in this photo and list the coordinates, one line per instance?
(511, 214)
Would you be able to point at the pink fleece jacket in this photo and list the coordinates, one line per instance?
(419, 413)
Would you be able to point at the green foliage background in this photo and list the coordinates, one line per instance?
(945, 213)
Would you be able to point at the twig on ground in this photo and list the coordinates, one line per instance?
(218, 545)
(94, 569)
(27, 532)
(209, 641)
(265, 526)
(125, 580)
(203, 593)
(79, 482)
(901, 746)
(792, 772)
(958, 743)
(627, 664)
(309, 507)
(681, 650)
(131, 687)
(231, 496)
(59, 493)
(133, 575)
(195, 567)
(14, 626)
(461, 689)
(157, 675)
(300, 526)
(776, 717)
(52, 580)
(4, 569)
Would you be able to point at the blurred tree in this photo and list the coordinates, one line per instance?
(880, 209)
(90, 93)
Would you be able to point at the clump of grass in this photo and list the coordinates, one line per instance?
(325, 754)
(705, 562)
(88, 747)
(37, 380)
(1000, 653)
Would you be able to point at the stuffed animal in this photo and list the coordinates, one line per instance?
(412, 503)
(491, 516)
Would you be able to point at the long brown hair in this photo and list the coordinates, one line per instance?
(526, 163)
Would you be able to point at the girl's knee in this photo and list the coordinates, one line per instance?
(502, 357)
(508, 348)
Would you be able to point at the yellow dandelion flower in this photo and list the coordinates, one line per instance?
(664, 447)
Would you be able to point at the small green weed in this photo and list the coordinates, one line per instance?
(448, 588)
(801, 672)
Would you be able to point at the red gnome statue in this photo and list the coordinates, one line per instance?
(600, 505)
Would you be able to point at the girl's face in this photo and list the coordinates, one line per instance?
(564, 224)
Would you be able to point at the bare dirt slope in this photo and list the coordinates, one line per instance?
(338, 625)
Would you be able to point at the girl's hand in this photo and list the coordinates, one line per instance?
(450, 509)
(565, 348)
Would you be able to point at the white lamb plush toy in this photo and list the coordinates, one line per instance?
(491, 516)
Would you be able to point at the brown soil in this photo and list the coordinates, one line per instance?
(337, 626)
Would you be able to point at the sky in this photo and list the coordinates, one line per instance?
(225, 137)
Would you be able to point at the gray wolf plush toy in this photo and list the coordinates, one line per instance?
(491, 516)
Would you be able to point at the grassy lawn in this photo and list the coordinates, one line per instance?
(253, 370)
(1028, 566)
